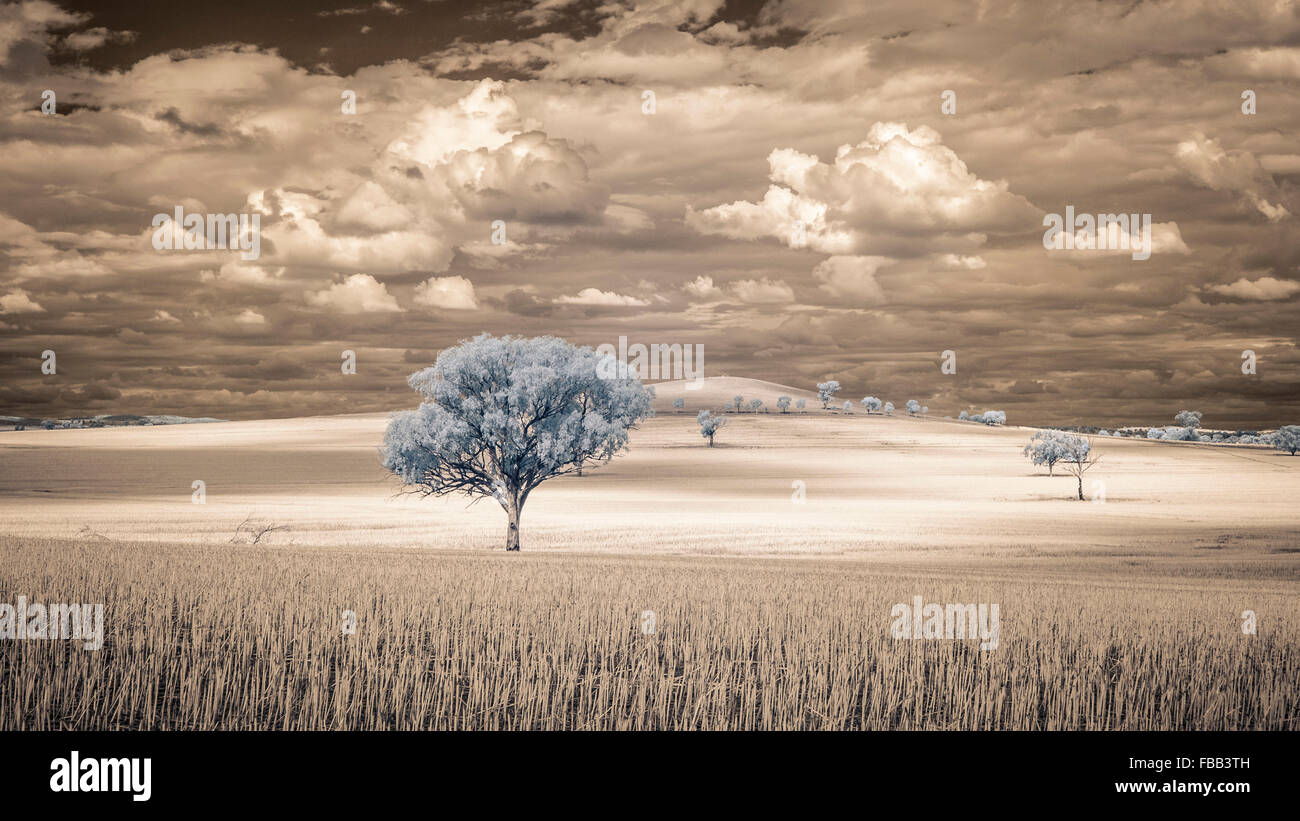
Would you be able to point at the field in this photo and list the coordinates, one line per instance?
(768, 611)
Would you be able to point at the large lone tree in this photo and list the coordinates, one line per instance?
(502, 415)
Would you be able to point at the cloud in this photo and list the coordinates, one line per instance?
(382, 6)
(95, 37)
(359, 293)
(1260, 290)
(1277, 63)
(595, 296)
(93, 392)
(625, 219)
(593, 194)
(1236, 171)
(239, 274)
(543, 12)
(702, 288)
(492, 256)
(249, 317)
(30, 22)
(762, 291)
(521, 302)
(852, 278)
(1165, 239)
(955, 262)
(532, 177)
(485, 118)
(371, 210)
(437, 185)
(18, 302)
(452, 293)
(899, 191)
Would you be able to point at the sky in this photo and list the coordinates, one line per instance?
(810, 190)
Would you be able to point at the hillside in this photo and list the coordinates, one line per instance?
(716, 391)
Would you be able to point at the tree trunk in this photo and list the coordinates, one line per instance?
(710, 440)
(1081, 487)
(1050, 465)
(512, 525)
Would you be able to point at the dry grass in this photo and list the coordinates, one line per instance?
(250, 637)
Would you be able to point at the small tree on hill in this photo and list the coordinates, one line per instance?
(1078, 461)
(1047, 447)
(502, 415)
(826, 391)
(783, 404)
(709, 424)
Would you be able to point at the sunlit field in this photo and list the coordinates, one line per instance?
(679, 587)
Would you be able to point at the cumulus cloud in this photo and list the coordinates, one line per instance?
(1259, 290)
(900, 191)
(250, 318)
(1238, 172)
(301, 235)
(435, 187)
(762, 291)
(702, 287)
(371, 210)
(1166, 238)
(532, 177)
(595, 296)
(452, 293)
(359, 293)
(18, 302)
(852, 278)
(31, 21)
